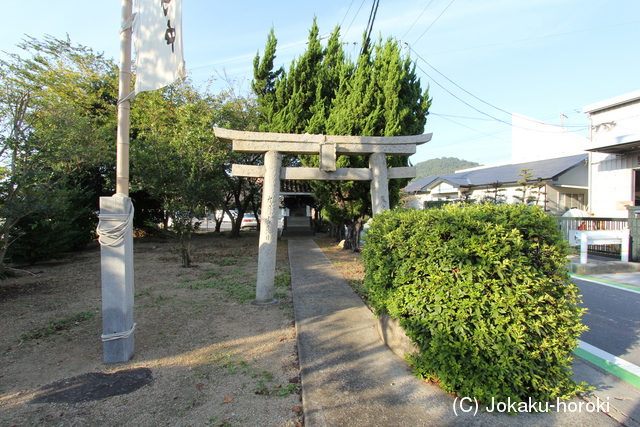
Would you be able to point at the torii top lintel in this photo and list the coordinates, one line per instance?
(261, 142)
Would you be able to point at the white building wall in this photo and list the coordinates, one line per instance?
(611, 184)
(534, 140)
(620, 119)
(612, 175)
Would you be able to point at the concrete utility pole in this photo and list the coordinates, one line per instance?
(116, 224)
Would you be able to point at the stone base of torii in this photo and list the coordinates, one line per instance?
(328, 147)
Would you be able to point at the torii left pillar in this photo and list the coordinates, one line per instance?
(268, 228)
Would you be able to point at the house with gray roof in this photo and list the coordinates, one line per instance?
(555, 184)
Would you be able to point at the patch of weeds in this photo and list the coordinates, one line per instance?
(192, 403)
(284, 391)
(264, 374)
(279, 294)
(161, 298)
(235, 289)
(143, 293)
(233, 285)
(57, 325)
(195, 286)
(282, 280)
(359, 288)
(208, 274)
(235, 367)
(225, 262)
(202, 373)
(229, 422)
(264, 389)
(287, 311)
(261, 389)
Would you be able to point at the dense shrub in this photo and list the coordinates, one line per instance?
(67, 225)
(484, 293)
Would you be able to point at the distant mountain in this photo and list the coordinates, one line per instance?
(441, 166)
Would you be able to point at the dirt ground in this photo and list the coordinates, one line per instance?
(203, 353)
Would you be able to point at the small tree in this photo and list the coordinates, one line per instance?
(174, 155)
(530, 190)
(235, 110)
(494, 194)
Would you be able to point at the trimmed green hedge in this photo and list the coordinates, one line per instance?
(484, 292)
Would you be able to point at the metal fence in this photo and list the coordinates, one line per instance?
(568, 224)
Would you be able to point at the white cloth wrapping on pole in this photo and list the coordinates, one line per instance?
(157, 38)
(114, 234)
(119, 335)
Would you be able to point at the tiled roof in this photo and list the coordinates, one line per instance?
(540, 169)
(295, 187)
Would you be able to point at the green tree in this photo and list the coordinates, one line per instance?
(57, 119)
(494, 194)
(325, 92)
(530, 191)
(237, 110)
(174, 157)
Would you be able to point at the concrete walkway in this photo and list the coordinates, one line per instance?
(349, 378)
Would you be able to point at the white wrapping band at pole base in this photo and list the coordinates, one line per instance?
(113, 236)
(119, 335)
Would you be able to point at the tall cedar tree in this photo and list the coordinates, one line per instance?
(324, 92)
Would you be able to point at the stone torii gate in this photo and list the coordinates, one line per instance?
(328, 147)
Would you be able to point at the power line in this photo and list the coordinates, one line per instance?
(481, 100)
(345, 15)
(459, 117)
(468, 127)
(354, 18)
(417, 19)
(436, 20)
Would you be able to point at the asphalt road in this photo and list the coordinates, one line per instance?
(613, 318)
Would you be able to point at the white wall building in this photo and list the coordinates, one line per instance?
(533, 140)
(615, 155)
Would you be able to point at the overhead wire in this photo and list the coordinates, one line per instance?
(354, 18)
(471, 94)
(417, 19)
(469, 127)
(480, 111)
(436, 20)
(533, 38)
(347, 13)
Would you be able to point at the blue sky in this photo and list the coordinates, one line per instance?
(481, 59)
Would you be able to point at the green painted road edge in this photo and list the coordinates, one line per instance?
(608, 282)
(608, 366)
